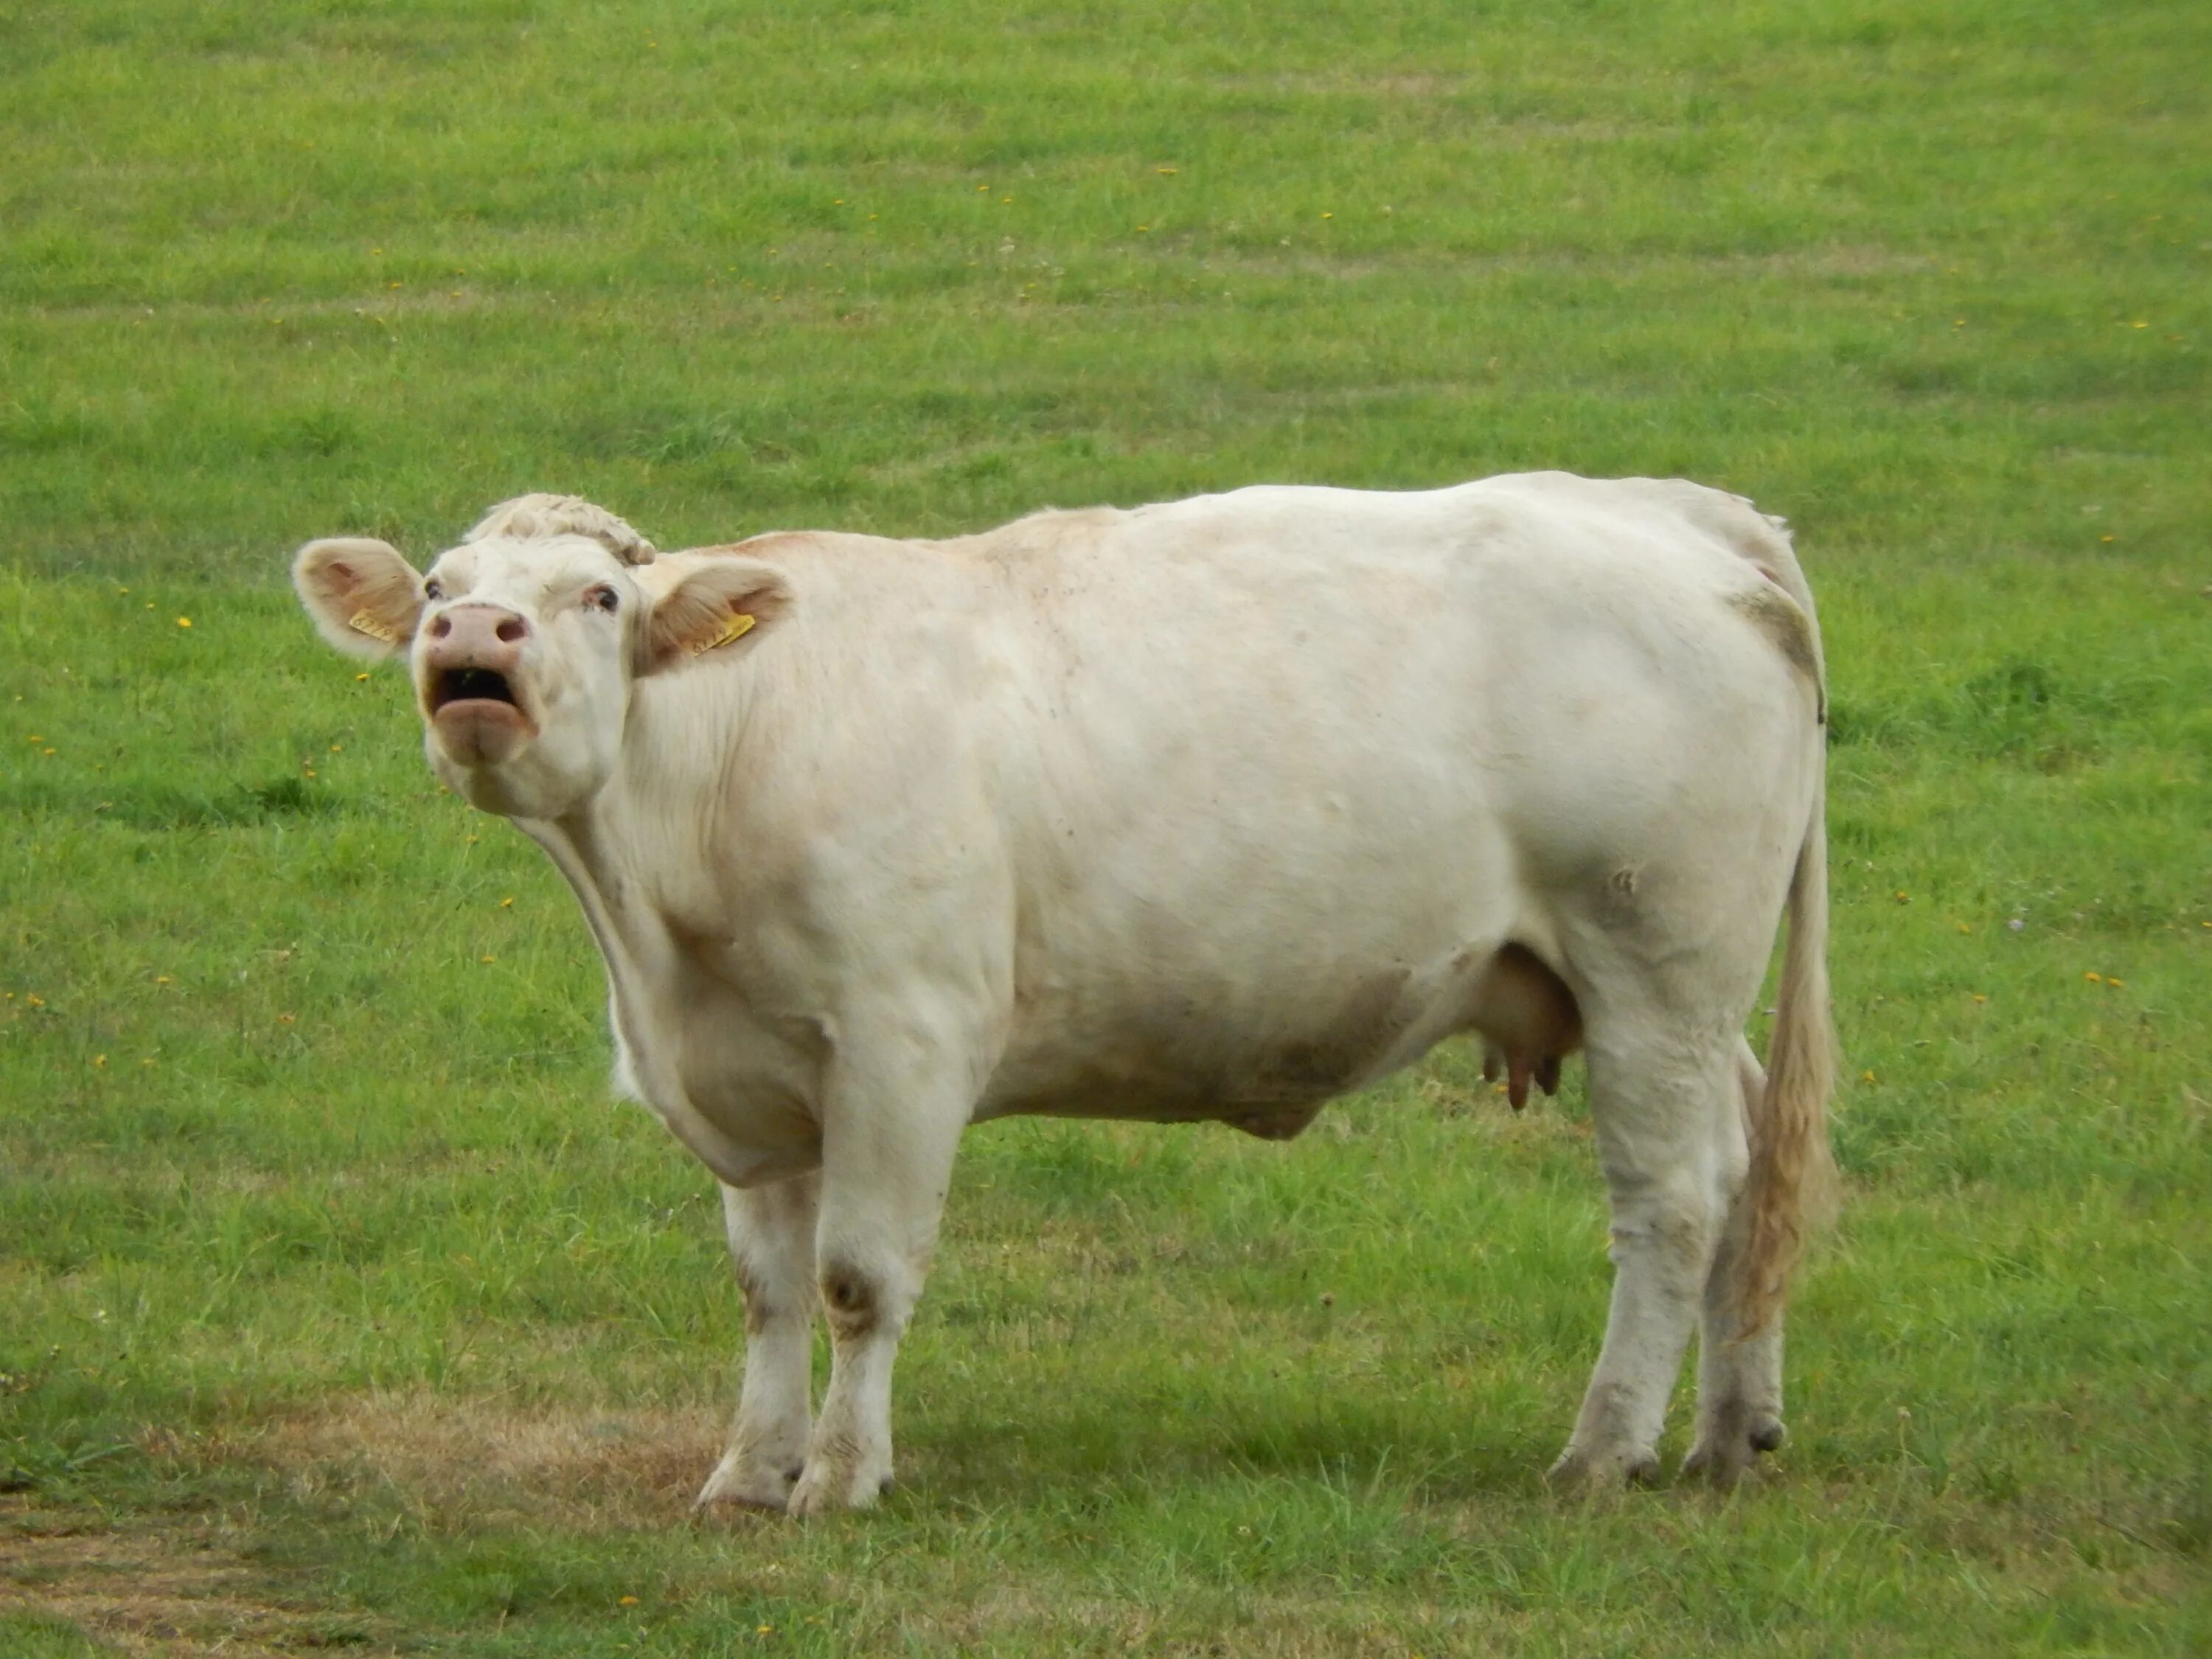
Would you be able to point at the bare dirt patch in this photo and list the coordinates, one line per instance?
(184, 1587)
(451, 1462)
(175, 1590)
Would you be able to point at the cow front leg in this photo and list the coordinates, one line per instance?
(1654, 1106)
(886, 1165)
(771, 1230)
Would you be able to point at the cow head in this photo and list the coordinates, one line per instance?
(525, 639)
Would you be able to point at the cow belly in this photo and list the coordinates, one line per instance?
(1187, 1058)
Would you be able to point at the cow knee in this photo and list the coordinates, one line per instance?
(762, 1307)
(771, 1245)
(774, 1286)
(851, 1300)
(863, 1299)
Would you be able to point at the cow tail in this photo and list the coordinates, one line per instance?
(1791, 1189)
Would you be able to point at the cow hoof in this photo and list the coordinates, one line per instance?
(819, 1491)
(747, 1485)
(1595, 1470)
(1725, 1449)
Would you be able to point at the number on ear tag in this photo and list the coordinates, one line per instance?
(362, 622)
(736, 625)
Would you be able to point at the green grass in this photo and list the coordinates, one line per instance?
(341, 1305)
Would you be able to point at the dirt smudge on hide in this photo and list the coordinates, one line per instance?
(1327, 1062)
(1777, 615)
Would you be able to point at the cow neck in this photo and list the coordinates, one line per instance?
(626, 928)
(648, 820)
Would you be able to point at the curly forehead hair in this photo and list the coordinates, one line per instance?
(527, 517)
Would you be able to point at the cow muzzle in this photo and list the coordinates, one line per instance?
(471, 656)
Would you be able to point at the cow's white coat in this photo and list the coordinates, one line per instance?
(1210, 810)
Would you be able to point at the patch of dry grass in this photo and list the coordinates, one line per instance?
(182, 1589)
(454, 1464)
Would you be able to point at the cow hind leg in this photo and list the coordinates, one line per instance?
(771, 1231)
(1657, 1090)
(1738, 1377)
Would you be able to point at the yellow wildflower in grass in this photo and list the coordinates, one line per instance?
(2114, 981)
(100, 1060)
(184, 621)
(627, 1602)
(507, 905)
(34, 999)
(1866, 1076)
(1979, 997)
(359, 678)
(2095, 979)
(487, 959)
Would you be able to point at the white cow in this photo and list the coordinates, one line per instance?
(1213, 810)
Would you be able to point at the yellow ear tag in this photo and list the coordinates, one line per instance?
(736, 626)
(361, 623)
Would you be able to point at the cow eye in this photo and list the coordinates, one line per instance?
(433, 589)
(602, 599)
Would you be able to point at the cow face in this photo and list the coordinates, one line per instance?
(523, 649)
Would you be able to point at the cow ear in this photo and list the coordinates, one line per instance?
(723, 606)
(364, 597)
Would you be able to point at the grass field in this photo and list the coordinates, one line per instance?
(339, 1306)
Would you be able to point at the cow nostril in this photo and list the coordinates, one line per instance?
(441, 627)
(512, 629)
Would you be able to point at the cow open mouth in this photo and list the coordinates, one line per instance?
(478, 719)
(455, 685)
